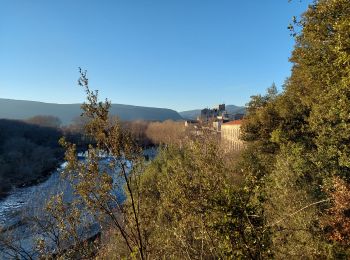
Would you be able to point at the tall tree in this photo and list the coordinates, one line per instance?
(302, 135)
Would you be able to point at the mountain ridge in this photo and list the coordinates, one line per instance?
(24, 109)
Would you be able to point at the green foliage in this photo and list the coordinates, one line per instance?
(299, 139)
(261, 119)
(322, 62)
(293, 216)
(194, 205)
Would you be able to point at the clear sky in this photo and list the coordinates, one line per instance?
(179, 54)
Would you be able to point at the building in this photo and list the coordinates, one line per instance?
(217, 125)
(230, 135)
(189, 123)
(211, 114)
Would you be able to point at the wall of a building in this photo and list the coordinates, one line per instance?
(230, 136)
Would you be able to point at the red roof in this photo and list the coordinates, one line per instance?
(234, 122)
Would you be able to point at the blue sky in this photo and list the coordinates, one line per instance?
(179, 54)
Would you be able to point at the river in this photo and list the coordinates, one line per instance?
(25, 202)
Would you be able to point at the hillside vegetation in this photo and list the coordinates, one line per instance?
(300, 139)
(27, 153)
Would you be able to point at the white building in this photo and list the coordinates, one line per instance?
(230, 135)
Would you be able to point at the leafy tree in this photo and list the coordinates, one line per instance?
(300, 138)
(97, 185)
(194, 204)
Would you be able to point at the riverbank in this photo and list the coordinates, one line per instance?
(40, 178)
(28, 153)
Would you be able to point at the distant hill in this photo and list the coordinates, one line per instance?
(21, 109)
(192, 114)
